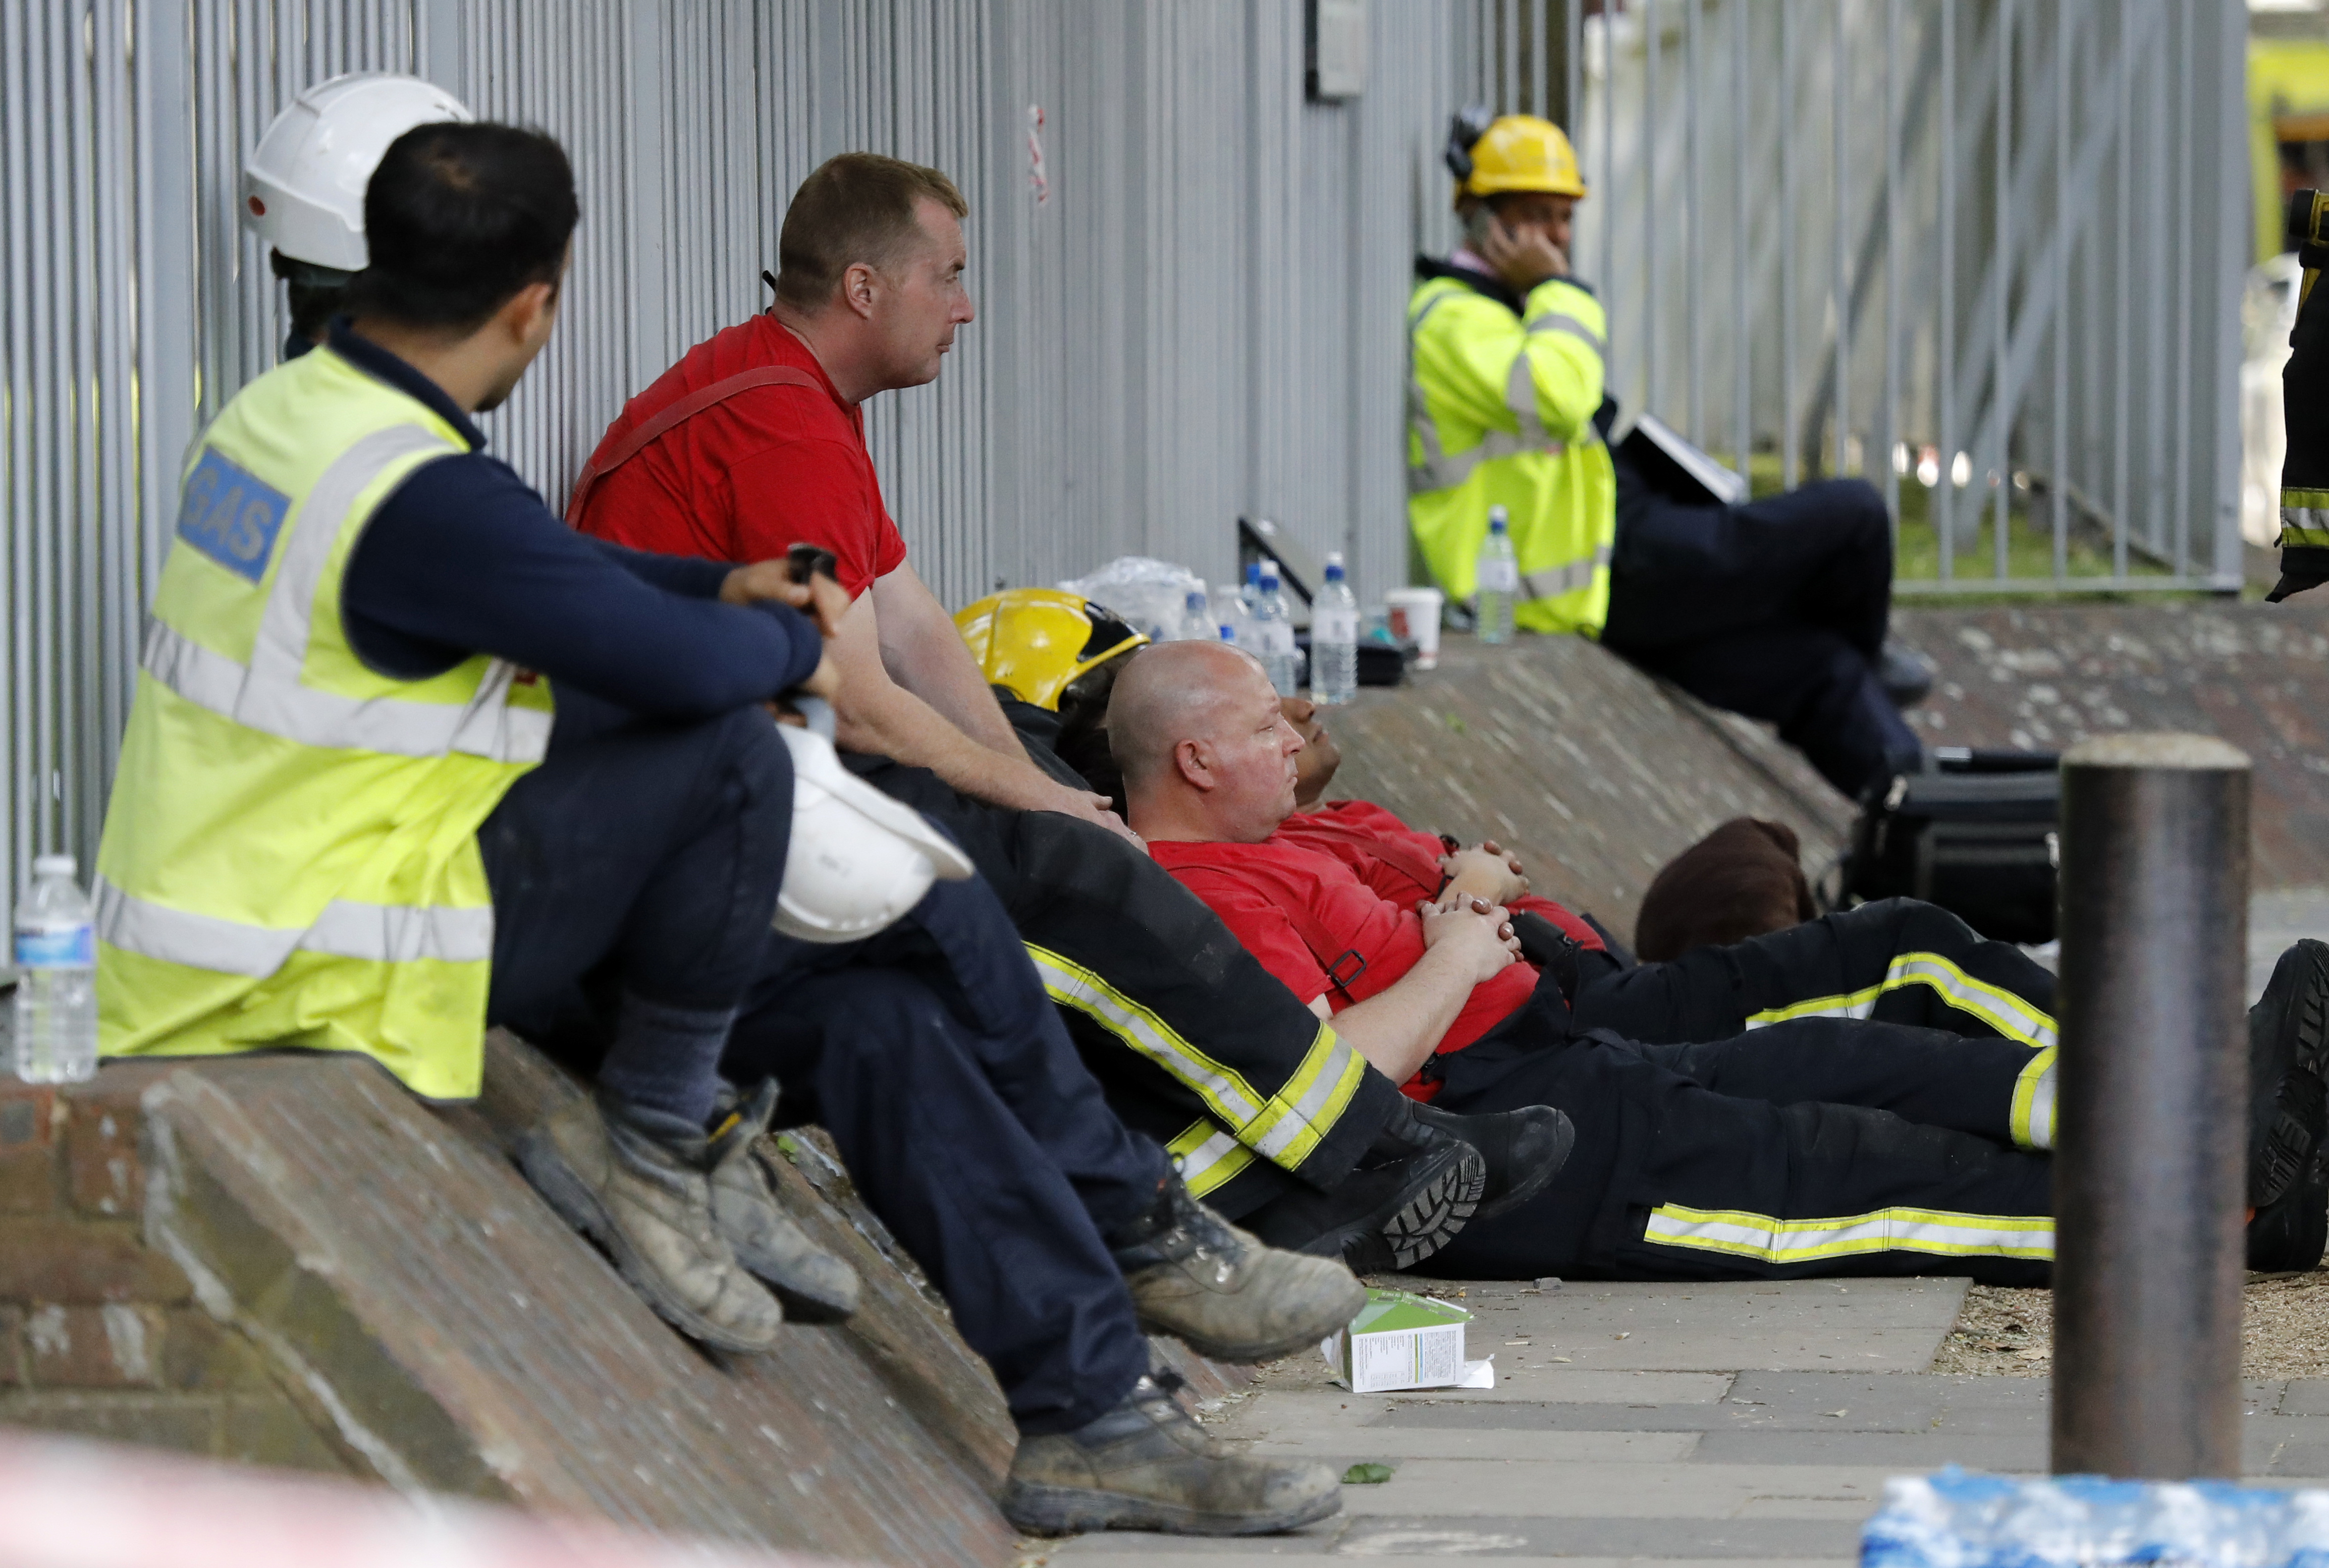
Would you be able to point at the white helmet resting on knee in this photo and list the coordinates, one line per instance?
(859, 860)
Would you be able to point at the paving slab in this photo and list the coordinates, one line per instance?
(1539, 1338)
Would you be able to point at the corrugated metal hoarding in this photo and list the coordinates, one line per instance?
(1190, 275)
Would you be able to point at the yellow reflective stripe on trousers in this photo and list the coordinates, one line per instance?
(383, 933)
(1207, 1158)
(1312, 1100)
(269, 695)
(2032, 1122)
(1802, 1240)
(1284, 1127)
(1998, 1008)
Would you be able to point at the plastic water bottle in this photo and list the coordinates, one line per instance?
(1499, 579)
(1273, 635)
(1197, 621)
(1231, 616)
(1333, 638)
(55, 1012)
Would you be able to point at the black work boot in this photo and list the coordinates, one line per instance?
(2289, 1050)
(1220, 1292)
(2289, 1235)
(637, 1181)
(1413, 1191)
(814, 1286)
(1524, 1151)
(1147, 1465)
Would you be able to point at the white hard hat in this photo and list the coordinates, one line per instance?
(859, 860)
(302, 189)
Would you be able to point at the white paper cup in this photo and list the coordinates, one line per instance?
(1415, 618)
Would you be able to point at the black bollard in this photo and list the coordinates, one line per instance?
(2150, 1169)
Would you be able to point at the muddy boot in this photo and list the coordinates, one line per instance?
(2288, 1055)
(1221, 1293)
(637, 1182)
(814, 1286)
(1147, 1465)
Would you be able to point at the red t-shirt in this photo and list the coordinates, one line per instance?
(1400, 863)
(752, 475)
(1320, 930)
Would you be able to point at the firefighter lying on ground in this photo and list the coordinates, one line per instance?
(1776, 608)
(1824, 1143)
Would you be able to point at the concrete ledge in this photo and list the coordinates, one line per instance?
(1594, 774)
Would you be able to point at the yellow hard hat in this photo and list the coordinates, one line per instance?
(1037, 641)
(1517, 153)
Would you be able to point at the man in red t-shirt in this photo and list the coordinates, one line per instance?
(1901, 960)
(775, 462)
(1814, 1146)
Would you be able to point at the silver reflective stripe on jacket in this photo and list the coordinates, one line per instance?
(1558, 580)
(384, 933)
(1561, 322)
(268, 694)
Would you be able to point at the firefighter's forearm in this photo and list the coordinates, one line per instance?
(1398, 1030)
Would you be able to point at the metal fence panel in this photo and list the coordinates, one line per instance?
(1193, 313)
(1986, 252)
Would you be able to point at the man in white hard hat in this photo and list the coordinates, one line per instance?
(303, 186)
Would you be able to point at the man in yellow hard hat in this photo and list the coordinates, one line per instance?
(1776, 608)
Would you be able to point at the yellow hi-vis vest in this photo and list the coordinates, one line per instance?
(1500, 412)
(290, 855)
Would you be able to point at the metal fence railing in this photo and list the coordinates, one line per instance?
(1987, 253)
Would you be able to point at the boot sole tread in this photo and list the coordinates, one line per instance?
(1431, 1216)
(2300, 1099)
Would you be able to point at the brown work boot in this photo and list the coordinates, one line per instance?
(1147, 1465)
(635, 1181)
(1221, 1293)
(814, 1286)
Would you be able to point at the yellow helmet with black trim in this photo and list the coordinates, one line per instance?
(1517, 153)
(1037, 641)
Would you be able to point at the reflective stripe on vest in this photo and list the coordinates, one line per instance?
(269, 695)
(379, 933)
(1568, 579)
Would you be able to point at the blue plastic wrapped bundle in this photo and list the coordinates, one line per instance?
(1956, 1520)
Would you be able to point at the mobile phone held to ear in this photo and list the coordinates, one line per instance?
(1478, 223)
(805, 561)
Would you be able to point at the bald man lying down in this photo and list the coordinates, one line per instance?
(1810, 1146)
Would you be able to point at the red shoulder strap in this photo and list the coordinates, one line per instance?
(673, 416)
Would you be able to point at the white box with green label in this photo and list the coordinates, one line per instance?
(1400, 1340)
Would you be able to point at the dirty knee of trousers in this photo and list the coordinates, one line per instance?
(1222, 1291)
(1147, 1465)
(637, 1182)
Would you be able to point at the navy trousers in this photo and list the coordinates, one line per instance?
(1775, 609)
(634, 874)
(933, 1057)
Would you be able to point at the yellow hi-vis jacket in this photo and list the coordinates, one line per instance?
(1500, 412)
(290, 855)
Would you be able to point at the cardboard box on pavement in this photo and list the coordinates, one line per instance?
(1401, 1340)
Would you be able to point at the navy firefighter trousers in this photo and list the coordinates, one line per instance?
(1775, 609)
(933, 1057)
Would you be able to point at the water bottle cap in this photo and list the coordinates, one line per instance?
(1269, 578)
(1229, 633)
(54, 865)
(1253, 571)
(1496, 524)
(1334, 570)
(1195, 600)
